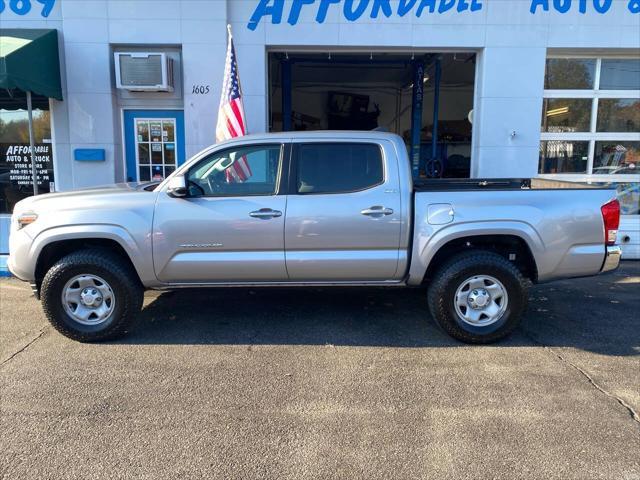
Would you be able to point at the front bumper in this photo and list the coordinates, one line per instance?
(19, 274)
(21, 262)
(611, 259)
(19, 271)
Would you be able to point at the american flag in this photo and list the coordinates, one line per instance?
(231, 120)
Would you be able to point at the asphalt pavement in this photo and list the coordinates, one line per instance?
(326, 383)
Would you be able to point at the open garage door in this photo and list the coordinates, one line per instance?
(419, 97)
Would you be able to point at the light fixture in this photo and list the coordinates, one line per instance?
(26, 218)
(557, 111)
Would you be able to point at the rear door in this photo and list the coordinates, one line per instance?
(343, 212)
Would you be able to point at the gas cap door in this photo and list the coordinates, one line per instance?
(440, 213)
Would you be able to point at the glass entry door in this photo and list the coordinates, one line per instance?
(155, 148)
(154, 143)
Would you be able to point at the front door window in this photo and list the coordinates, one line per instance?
(244, 171)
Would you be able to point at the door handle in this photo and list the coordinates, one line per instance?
(376, 211)
(265, 213)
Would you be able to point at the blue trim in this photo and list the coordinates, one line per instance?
(4, 270)
(89, 154)
(286, 96)
(130, 141)
(416, 115)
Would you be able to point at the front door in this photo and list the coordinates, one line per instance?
(230, 227)
(344, 214)
(154, 143)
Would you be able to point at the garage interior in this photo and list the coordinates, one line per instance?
(419, 97)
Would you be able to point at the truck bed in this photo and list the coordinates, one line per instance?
(561, 222)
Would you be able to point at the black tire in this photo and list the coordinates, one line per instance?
(122, 279)
(442, 294)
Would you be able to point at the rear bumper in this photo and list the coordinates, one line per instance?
(611, 259)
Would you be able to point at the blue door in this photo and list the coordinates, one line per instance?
(154, 143)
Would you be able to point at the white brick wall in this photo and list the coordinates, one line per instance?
(511, 42)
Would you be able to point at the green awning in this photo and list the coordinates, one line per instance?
(29, 61)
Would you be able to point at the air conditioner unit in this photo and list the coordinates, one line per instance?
(144, 71)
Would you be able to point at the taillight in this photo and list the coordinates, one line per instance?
(611, 218)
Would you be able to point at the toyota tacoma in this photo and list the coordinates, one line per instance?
(310, 209)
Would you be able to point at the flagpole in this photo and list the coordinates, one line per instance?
(231, 120)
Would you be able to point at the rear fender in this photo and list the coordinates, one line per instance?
(431, 238)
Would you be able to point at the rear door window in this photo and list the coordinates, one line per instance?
(338, 167)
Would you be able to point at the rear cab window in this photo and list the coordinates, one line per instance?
(325, 168)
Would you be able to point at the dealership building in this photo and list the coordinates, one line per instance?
(126, 90)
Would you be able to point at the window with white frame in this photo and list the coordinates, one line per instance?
(591, 118)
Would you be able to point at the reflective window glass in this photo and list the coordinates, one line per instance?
(570, 73)
(616, 158)
(338, 167)
(16, 179)
(240, 171)
(566, 115)
(562, 156)
(619, 115)
(620, 74)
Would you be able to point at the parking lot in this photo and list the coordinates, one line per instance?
(322, 383)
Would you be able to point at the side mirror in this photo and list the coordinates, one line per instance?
(177, 187)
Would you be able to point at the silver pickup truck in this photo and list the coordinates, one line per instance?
(312, 208)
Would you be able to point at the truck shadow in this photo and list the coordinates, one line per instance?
(596, 314)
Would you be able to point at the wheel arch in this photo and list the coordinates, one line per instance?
(519, 240)
(52, 245)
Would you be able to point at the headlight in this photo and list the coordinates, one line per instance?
(25, 219)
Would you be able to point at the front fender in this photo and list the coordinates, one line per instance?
(429, 239)
(140, 255)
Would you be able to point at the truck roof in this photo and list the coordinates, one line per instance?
(318, 134)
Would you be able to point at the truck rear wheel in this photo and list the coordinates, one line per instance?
(91, 295)
(478, 297)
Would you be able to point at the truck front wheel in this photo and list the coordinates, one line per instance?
(91, 295)
(478, 297)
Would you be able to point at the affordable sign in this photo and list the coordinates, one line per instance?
(15, 163)
(352, 10)
(16, 176)
(23, 7)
